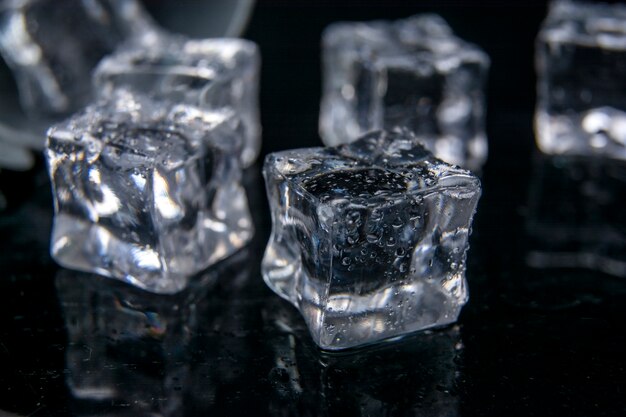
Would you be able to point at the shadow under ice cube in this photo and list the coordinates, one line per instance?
(411, 73)
(146, 194)
(581, 69)
(210, 74)
(369, 239)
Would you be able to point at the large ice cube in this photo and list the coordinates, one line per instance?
(369, 239)
(147, 193)
(412, 73)
(210, 74)
(581, 69)
(52, 46)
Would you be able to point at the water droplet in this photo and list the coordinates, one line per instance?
(372, 238)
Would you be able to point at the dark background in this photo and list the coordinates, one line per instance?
(531, 341)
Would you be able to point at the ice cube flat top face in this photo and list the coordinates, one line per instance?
(211, 59)
(209, 74)
(368, 238)
(581, 65)
(422, 37)
(377, 166)
(412, 73)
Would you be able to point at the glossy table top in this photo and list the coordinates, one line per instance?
(533, 340)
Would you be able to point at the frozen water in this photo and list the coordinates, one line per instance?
(52, 46)
(581, 67)
(369, 239)
(413, 74)
(210, 74)
(146, 193)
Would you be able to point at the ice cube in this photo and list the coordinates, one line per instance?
(581, 70)
(210, 74)
(369, 239)
(146, 193)
(52, 46)
(413, 74)
(427, 361)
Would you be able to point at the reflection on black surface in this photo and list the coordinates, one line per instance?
(414, 376)
(131, 351)
(576, 214)
(229, 344)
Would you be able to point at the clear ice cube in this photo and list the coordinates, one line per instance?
(411, 73)
(581, 70)
(210, 74)
(369, 239)
(147, 193)
(52, 46)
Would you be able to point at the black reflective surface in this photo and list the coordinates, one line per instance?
(537, 338)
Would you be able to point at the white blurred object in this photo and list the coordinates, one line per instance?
(19, 133)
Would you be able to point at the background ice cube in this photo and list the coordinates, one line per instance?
(412, 74)
(211, 74)
(581, 69)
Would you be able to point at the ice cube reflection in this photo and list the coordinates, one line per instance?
(416, 376)
(576, 214)
(131, 352)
